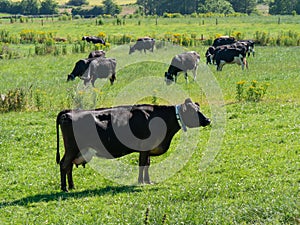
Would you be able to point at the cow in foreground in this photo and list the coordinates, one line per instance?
(83, 64)
(100, 68)
(118, 131)
(182, 63)
(93, 39)
(145, 43)
(230, 56)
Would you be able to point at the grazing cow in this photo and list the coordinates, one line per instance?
(100, 67)
(80, 67)
(93, 39)
(182, 63)
(145, 43)
(97, 53)
(223, 41)
(83, 64)
(230, 56)
(118, 131)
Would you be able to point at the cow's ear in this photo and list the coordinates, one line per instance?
(197, 104)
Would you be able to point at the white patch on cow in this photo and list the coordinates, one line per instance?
(84, 157)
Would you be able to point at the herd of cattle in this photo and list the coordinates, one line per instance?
(117, 131)
(224, 50)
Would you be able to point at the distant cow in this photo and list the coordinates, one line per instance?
(97, 53)
(118, 131)
(100, 67)
(223, 41)
(93, 39)
(230, 56)
(80, 67)
(250, 46)
(182, 63)
(145, 43)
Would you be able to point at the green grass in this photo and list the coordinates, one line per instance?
(254, 178)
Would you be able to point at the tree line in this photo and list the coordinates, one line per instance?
(152, 7)
(159, 7)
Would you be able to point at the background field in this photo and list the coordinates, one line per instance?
(254, 179)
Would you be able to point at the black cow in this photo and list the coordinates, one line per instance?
(223, 41)
(182, 63)
(145, 43)
(118, 131)
(230, 56)
(93, 39)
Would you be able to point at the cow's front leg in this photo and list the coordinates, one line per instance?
(144, 163)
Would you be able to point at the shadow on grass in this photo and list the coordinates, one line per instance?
(109, 190)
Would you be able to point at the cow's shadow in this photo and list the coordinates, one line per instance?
(109, 190)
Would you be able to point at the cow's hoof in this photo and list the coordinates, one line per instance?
(65, 190)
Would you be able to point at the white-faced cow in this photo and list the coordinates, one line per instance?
(93, 39)
(83, 64)
(145, 43)
(230, 56)
(100, 67)
(182, 63)
(118, 131)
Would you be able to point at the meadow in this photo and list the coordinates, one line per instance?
(252, 178)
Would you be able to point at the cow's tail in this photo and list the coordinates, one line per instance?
(57, 136)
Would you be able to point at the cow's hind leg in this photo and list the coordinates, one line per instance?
(66, 171)
(144, 163)
(70, 177)
(63, 176)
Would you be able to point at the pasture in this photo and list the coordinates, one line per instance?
(253, 178)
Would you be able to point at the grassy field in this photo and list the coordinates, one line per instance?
(253, 179)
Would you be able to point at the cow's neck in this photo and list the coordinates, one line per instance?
(179, 118)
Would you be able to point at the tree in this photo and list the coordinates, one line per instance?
(111, 8)
(49, 7)
(29, 7)
(284, 7)
(219, 6)
(243, 6)
(5, 6)
(77, 2)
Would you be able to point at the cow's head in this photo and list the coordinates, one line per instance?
(131, 49)
(169, 78)
(112, 79)
(71, 77)
(191, 115)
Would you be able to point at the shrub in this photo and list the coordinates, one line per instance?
(253, 93)
(13, 100)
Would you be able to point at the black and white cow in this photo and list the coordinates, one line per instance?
(100, 67)
(230, 56)
(182, 63)
(118, 131)
(145, 43)
(93, 39)
(83, 64)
